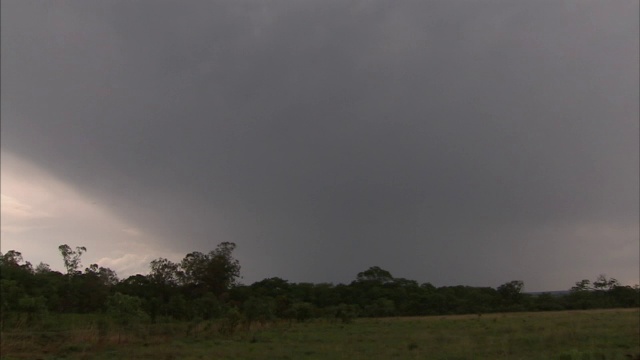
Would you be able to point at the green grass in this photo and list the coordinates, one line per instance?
(594, 334)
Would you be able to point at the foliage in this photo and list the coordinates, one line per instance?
(230, 321)
(346, 313)
(216, 271)
(125, 310)
(207, 307)
(582, 285)
(375, 274)
(603, 283)
(104, 275)
(511, 291)
(165, 272)
(302, 311)
(258, 309)
(71, 258)
(203, 286)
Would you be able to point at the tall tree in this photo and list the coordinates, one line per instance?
(511, 292)
(603, 283)
(71, 257)
(165, 272)
(582, 285)
(216, 271)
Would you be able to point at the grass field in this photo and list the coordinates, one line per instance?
(594, 334)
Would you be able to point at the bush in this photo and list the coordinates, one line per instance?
(346, 313)
(126, 311)
(34, 307)
(302, 311)
(230, 321)
(259, 309)
(207, 307)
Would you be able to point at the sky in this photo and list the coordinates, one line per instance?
(451, 142)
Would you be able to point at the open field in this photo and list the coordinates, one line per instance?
(593, 334)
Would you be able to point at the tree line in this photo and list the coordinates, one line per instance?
(205, 286)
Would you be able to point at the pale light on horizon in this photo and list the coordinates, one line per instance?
(39, 213)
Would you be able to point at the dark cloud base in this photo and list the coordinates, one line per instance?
(432, 138)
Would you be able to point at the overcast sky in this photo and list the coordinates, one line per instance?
(452, 142)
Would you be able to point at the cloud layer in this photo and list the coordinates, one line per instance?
(457, 143)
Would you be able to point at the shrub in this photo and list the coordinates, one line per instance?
(259, 309)
(126, 311)
(230, 321)
(302, 311)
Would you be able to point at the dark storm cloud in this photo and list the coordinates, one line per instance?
(432, 138)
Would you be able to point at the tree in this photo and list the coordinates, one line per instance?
(511, 289)
(107, 276)
(71, 258)
(271, 287)
(511, 292)
(42, 268)
(582, 285)
(165, 272)
(626, 296)
(375, 274)
(603, 283)
(13, 259)
(216, 271)
(547, 302)
(179, 308)
(381, 307)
